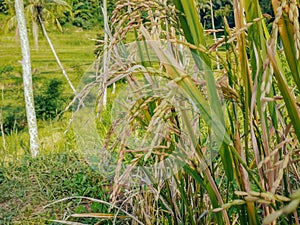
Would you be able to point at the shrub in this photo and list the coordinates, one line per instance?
(14, 119)
(50, 103)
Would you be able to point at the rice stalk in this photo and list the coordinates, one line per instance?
(248, 108)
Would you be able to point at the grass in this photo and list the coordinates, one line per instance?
(27, 185)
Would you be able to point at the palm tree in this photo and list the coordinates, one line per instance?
(27, 78)
(39, 11)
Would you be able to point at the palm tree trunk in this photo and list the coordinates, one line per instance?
(27, 79)
(55, 55)
(105, 51)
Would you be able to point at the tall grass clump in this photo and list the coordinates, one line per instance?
(201, 145)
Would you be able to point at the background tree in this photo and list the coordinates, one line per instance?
(27, 78)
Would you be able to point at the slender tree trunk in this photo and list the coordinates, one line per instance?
(1, 126)
(35, 33)
(214, 30)
(55, 55)
(105, 51)
(27, 79)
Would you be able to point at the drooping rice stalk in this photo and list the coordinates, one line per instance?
(195, 147)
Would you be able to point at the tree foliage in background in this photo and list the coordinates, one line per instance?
(222, 8)
(84, 14)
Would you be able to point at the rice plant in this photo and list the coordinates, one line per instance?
(196, 144)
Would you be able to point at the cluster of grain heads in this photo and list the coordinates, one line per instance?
(291, 207)
(240, 159)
